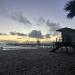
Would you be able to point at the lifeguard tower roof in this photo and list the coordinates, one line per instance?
(66, 29)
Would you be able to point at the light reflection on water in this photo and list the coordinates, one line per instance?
(20, 47)
(10, 47)
(17, 48)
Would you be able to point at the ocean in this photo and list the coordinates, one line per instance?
(13, 47)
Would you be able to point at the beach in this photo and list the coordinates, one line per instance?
(37, 62)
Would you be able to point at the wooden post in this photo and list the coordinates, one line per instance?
(67, 49)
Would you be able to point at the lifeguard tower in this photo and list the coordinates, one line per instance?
(68, 39)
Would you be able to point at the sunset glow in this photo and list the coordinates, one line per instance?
(21, 39)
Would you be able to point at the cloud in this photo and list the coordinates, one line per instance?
(19, 17)
(21, 34)
(16, 16)
(35, 34)
(40, 21)
(12, 33)
(52, 26)
(18, 33)
(43, 22)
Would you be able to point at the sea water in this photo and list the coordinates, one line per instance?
(12, 47)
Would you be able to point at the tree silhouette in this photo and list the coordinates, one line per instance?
(70, 7)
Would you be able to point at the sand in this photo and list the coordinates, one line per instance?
(37, 62)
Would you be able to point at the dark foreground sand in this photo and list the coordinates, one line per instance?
(37, 62)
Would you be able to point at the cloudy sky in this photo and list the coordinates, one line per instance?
(27, 15)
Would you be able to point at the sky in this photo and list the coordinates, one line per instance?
(27, 15)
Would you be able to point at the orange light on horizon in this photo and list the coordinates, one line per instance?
(25, 39)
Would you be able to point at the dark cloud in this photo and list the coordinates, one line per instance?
(36, 34)
(16, 16)
(21, 34)
(40, 21)
(12, 33)
(18, 33)
(19, 17)
(52, 26)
